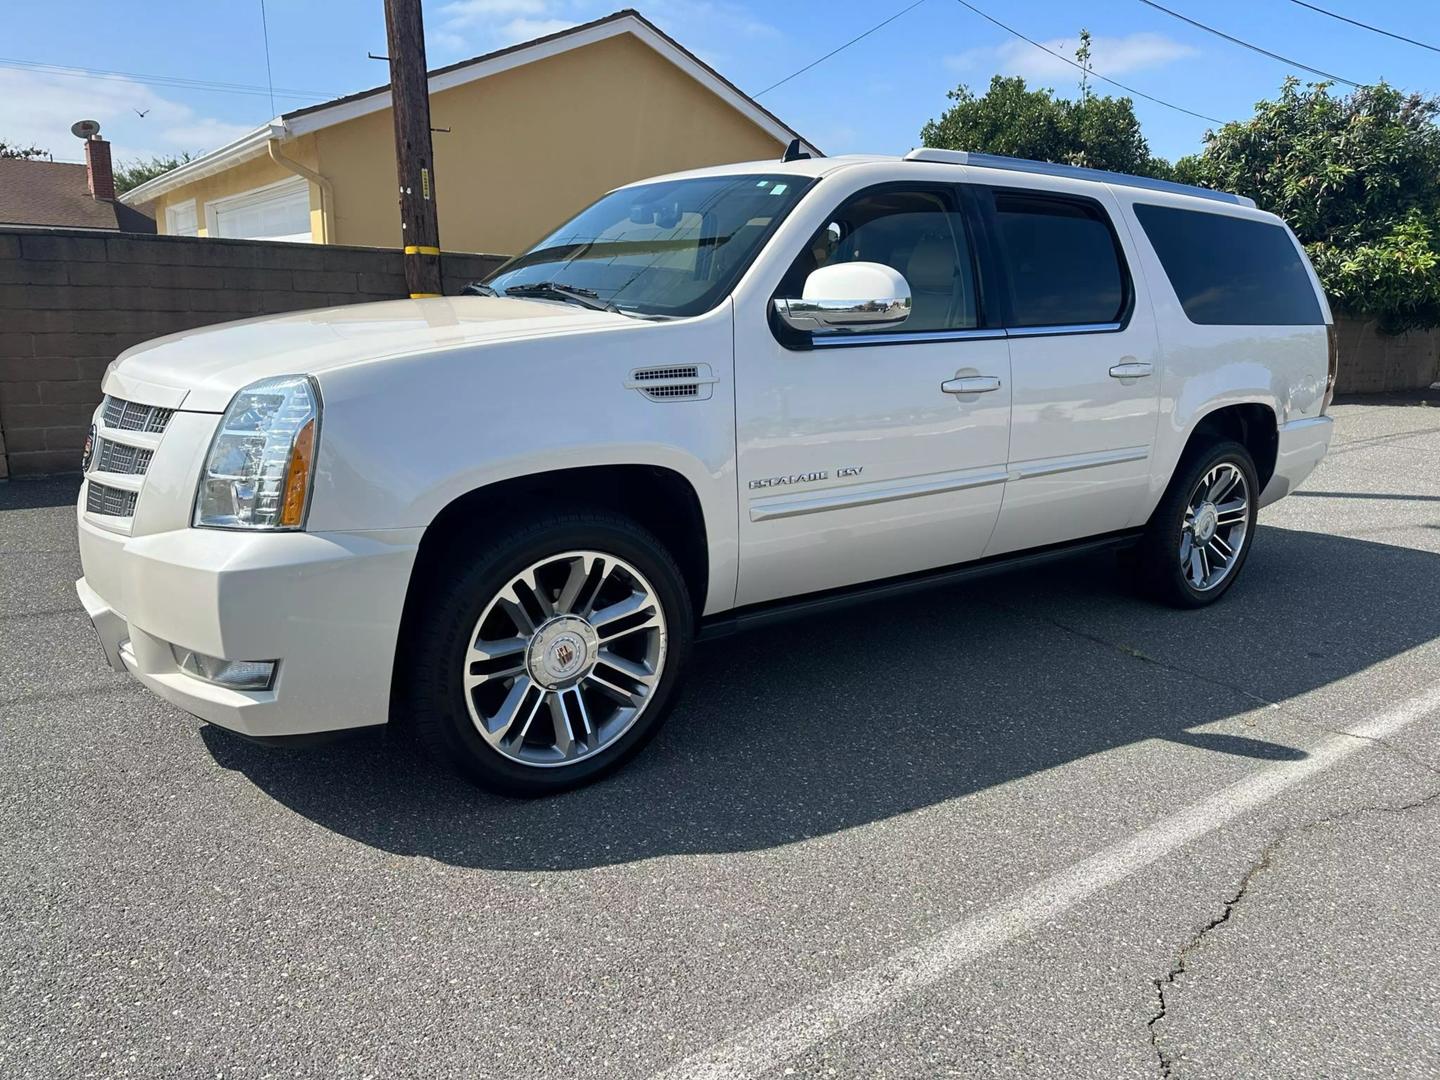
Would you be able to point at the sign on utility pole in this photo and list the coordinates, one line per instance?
(410, 103)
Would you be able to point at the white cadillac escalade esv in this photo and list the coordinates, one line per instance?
(709, 400)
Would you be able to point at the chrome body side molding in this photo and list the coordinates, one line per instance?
(871, 494)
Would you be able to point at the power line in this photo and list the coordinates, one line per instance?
(842, 48)
(174, 81)
(269, 78)
(1253, 48)
(1090, 71)
(1367, 26)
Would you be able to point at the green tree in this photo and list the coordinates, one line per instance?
(132, 174)
(15, 150)
(1358, 179)
(1010, 118)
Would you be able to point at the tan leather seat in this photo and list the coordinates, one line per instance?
(934, 284)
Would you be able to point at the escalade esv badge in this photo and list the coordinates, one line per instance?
(805, 478)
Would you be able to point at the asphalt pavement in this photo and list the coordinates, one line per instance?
(1031, 826)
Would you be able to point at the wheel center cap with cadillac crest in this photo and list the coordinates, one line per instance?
(562, 652)
(1207, 520)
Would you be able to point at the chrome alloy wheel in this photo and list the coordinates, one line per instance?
(565, 658)
(1217, 519)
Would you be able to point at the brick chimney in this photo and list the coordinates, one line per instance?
(97, 169)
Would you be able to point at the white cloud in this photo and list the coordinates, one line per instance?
(517, 30)
(715, 16)
(467, 13)
(476, 26)
(39, 108)
(1108, 55)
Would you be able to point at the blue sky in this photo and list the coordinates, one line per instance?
(871, 98)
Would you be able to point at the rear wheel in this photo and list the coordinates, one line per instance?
(1199, 537)
(554, 656)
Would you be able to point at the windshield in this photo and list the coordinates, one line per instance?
(667, 249)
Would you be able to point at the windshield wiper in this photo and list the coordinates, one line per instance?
(475, 288)
(552, 290)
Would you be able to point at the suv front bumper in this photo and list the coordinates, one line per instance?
(326, 606)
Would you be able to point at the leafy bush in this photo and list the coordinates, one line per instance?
(1010, 118)
(1097, 132)
(132, 174)
(15, 150)
(1358, 179)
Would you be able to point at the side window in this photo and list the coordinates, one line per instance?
(920, 233)
(1231, 271)
(1061, 261)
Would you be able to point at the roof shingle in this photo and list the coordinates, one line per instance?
(57, 194)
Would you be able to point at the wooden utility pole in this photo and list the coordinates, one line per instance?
(410, 103)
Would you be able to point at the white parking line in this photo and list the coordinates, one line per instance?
(860, 996)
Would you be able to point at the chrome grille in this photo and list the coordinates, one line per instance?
(115, 457)
(110, 501)
(132, 416)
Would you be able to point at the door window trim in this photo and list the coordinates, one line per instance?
(962, 206)
(986, 212)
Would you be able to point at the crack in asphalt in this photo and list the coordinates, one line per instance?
(1169, 1068)
(1167, 1062)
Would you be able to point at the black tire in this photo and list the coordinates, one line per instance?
(1157, 556)
(435, 696)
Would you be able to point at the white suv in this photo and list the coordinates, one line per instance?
(709, 400)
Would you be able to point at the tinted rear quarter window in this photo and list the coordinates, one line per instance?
(1061, 261)
(1231, 271)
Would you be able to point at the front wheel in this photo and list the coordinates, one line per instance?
(553, 655)
(1199, 536)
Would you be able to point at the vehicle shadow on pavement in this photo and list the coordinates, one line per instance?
(824, 725)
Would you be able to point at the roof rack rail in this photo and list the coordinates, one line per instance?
(1077, 172)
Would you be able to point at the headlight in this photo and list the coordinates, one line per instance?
(262, 459)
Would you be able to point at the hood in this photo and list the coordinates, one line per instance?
(200, 370)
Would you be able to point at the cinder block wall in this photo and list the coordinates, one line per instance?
(71, 301)
(1372, 362)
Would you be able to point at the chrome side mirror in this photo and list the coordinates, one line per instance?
(848, 296)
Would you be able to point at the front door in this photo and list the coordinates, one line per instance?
(874, 453)
(1084, 358)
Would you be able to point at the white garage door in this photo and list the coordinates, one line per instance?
(275, 212)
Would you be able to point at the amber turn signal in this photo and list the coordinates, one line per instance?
(297, 477)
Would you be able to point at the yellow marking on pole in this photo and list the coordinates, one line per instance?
(421, 249)
(423, 295)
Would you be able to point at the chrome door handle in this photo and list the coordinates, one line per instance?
(1131, 370)
(971, 384)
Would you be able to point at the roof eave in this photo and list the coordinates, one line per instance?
(248, 146)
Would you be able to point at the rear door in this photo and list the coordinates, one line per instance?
(1084, 362)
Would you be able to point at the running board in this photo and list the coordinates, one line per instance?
(777, 611)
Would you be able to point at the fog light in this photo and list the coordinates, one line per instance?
(232, 674)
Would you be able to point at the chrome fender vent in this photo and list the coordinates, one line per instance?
(676, 382)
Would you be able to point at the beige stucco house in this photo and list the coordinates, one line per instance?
(536, 132)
